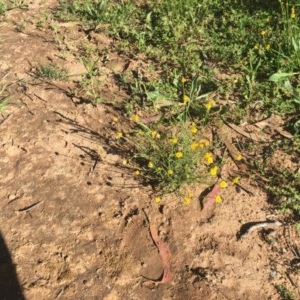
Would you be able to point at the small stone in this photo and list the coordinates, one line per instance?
(12, 197)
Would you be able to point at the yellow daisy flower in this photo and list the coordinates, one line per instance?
(170, 172)
(210, 104)
(173, 140)
(209, 158)
(186, 201)
(214, 171)
(185, 99)
(179, 154)
(119, 135)
(135, 118)
(223, 184)
(218, 199)
(157, 200)
(155, 134)
(194, 146)
(194, 130)
(263, 32)
(150, 164)
(183, 79)
(236, 180)
(239, 157)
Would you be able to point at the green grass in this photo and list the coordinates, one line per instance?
(3, 8)
(4, 94)
(191, 38)
(9, 5)
(284, 292)
(243, 55)
(51, 72)
(3, 103)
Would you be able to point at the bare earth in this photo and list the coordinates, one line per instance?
(73, 221)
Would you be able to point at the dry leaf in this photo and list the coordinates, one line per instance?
(165, 255)
(256, 137)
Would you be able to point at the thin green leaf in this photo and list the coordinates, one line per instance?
(279, 76)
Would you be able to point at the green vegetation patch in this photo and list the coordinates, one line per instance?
(51, 72)
(210, 63)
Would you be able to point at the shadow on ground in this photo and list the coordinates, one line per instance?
(9, 283)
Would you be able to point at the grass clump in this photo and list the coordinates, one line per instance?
(168, 160)
(175, 150)
(284, 292)
(287, 186)
(9, 5)
(51, 72)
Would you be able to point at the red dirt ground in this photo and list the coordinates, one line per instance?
(73, 220)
